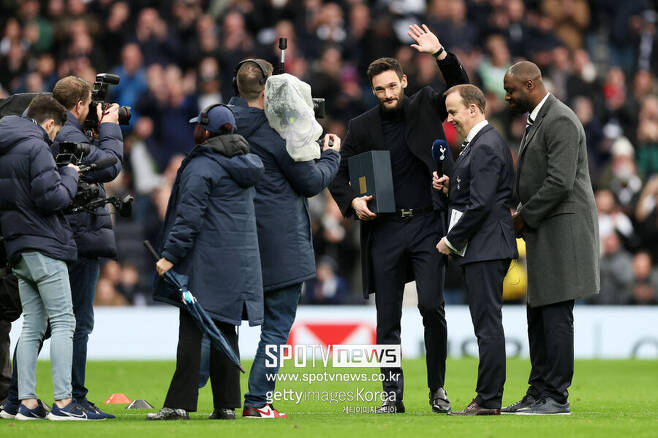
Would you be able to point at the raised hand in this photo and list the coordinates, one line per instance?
(426, 41)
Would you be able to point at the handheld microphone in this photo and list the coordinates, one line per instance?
(439, 150)
(100, 164)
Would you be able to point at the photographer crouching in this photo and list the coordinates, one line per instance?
(92, 128)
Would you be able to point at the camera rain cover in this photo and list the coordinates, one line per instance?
(289, 111)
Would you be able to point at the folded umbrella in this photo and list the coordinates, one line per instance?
(201, 317)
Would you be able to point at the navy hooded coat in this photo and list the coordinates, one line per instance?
(210, 230)
(282, 213)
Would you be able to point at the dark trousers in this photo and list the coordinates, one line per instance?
(224, 376)
(280, 308)
(484, 284)
(550, 333)
(83, 276)
(5, 363)
(401, 246)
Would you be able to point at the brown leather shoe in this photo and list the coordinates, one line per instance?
(475, 409)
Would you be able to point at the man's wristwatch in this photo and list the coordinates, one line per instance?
(438, 52)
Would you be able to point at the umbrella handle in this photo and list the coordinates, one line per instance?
(152, 250)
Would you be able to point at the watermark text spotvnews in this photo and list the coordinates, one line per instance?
(342, 356)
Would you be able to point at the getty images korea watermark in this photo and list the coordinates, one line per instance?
(334, 356)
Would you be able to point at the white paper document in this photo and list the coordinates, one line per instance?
(455, 215)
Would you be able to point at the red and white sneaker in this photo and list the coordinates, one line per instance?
(266, 411)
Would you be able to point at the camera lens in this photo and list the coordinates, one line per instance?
(124, 115)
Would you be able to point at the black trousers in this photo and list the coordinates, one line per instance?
(5, 363)
(224, 376)
(484, 284)
(550, 333)
(400, 245)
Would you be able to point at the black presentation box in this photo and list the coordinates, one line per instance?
(370, 174)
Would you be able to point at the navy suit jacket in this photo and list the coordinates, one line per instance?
(481, 187)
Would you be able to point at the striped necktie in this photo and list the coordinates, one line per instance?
(528, 125)
(462, 148)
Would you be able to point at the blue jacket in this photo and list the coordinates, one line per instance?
(210, 230)
(282, 214)
(32, 192)
(93, 232)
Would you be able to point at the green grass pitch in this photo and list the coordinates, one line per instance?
(608, 399)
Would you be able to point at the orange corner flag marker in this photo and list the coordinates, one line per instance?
(117, 399)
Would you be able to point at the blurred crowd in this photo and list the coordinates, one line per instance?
(177, 56)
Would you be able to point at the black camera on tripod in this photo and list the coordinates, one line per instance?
(99, 95)
(90, 196)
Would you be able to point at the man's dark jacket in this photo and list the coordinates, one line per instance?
(423, 112)
(481, 188)
(93, 231)
(282, 213)
(210, 230)
(33, 191)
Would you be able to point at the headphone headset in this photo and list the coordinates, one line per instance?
(261, 67)
(203, 117)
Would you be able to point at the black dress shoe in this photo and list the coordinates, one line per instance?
(522, 405)
(391, 407)
(474, 408)
(546, 406)
(169, 414)
(222, 414)
(439, 401)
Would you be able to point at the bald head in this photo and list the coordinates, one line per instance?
(525, 71)
(524, 86)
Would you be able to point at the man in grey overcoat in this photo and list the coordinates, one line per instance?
(557, 218)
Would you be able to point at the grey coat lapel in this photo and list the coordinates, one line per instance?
(533, 130)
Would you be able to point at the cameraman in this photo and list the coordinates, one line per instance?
(92, 232)
(282, 215)
(38, 244)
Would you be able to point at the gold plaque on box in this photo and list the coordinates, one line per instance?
(362, 185)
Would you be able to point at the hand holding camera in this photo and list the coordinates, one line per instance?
(99, 97)
(331, 141)
(108, 113)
